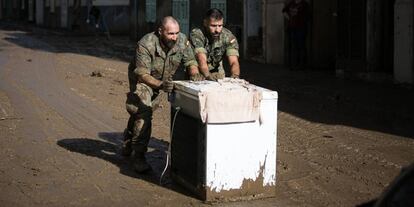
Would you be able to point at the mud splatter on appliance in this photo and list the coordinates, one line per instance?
(223, 161)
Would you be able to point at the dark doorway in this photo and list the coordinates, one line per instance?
(322, 40)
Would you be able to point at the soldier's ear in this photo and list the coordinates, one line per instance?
(159, 30)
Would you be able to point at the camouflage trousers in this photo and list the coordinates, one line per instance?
(140, 106)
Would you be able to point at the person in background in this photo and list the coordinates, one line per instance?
(297, 14)
(96, 18)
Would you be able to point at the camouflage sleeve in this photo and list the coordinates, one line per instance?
(197, 41)
(142, 60)
(188, 57)
(232, 48)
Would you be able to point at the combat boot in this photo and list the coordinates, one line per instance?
(140, 163)
(126, 149)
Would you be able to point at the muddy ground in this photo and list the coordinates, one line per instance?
(340, 141)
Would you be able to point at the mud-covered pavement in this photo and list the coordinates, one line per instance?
(340, 142)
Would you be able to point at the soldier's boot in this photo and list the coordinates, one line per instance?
(140, 163)
(126, 149)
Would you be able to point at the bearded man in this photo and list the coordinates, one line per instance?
(158, 55)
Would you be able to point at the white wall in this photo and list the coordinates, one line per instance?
(403, 41)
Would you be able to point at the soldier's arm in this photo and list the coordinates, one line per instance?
(202, 64)
(193, 70)
(232, 53)
(143, 65)
(189, 60)
(197, 40)
(150, 81)
(234, 66)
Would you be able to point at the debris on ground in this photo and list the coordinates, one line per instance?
(96, 74)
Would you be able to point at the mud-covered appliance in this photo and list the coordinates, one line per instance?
(228, 161)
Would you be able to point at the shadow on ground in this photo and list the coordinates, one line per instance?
(108, 149)
(319, 96)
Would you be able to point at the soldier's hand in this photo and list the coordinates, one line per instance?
(211, 78)
(236, 76)
(215, 76)
(197, 77)
(167, 86)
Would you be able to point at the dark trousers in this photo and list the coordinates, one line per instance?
(297, 37)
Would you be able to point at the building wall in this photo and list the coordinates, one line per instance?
(351, 47)
(72, 15)
(403, 41)
(24, 11)
(9, 9)
(197, 10)
(274, 32)
(164, 8)
(64, 14)
(117, 18)
(181, 11)
(253, 30)
(374, 37)
(31, 8)
(52, 13)
(133, 19)
(39, 5)
(322, 38)
(143, 22)
(1, 9)
(234, 19)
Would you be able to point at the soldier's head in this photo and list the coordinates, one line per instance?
(213, 22)
(168, 31)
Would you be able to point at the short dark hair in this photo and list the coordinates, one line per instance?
(214, 13)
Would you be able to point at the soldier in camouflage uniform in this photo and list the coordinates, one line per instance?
(212, 43)
(158, 55)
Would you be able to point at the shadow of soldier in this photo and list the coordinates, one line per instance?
(109, 148)
(156, 156)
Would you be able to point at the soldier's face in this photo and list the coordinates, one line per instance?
(169, 34)
(215, 27)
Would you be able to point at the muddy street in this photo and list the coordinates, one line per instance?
(340, 142)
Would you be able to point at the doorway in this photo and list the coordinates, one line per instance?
(322, 41)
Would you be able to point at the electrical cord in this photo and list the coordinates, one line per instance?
(167, 163)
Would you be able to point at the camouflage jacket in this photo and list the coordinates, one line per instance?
(151, 59)
(215, 50)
